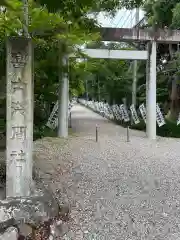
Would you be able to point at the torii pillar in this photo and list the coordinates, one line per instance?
(151, 91)
(63, 102)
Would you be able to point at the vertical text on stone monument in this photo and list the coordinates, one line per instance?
(19, 132)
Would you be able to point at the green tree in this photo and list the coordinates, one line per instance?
(46, 29)
(107, 79)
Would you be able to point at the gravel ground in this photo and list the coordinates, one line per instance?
(116, 189)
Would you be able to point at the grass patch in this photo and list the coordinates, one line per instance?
(41, 132)
(71, 133)
(47, 132)
(170, 129)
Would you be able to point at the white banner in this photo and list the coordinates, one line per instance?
(159, 116)
(134, 114)
(178, 121)
(118, 114)
(143, 111)
(107, 110)
(114, 111)
(121, 116)
(124, 113)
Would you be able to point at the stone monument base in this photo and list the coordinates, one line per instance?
(39, 216)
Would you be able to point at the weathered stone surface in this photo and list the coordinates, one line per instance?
(19, 117)
(62, 229)
(38, 216)
(33, 211)
(25, 229)
(10, 234)
(39, 212)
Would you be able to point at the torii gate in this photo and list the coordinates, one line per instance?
(150, 37)
(150, 57)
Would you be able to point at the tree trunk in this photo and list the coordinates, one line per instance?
(175, 100)
(174, 94)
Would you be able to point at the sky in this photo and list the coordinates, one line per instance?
(123, 19)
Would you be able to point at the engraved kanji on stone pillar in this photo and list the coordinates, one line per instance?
(19, 117)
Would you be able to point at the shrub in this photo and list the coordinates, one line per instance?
(170, 129)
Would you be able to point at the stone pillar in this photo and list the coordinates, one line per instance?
(19, 117)
(63, 100)
(151, 95)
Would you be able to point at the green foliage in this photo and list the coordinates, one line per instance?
(170, 129)
(131, 3)
(47, 29)
(162, 13)
(176, 16)
(41, 131)
(79, 8)
(107, 79)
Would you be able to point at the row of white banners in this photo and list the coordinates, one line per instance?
(120, 112)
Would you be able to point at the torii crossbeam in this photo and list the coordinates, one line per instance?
(142, 35)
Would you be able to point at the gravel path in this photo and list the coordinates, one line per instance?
(117, 190)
